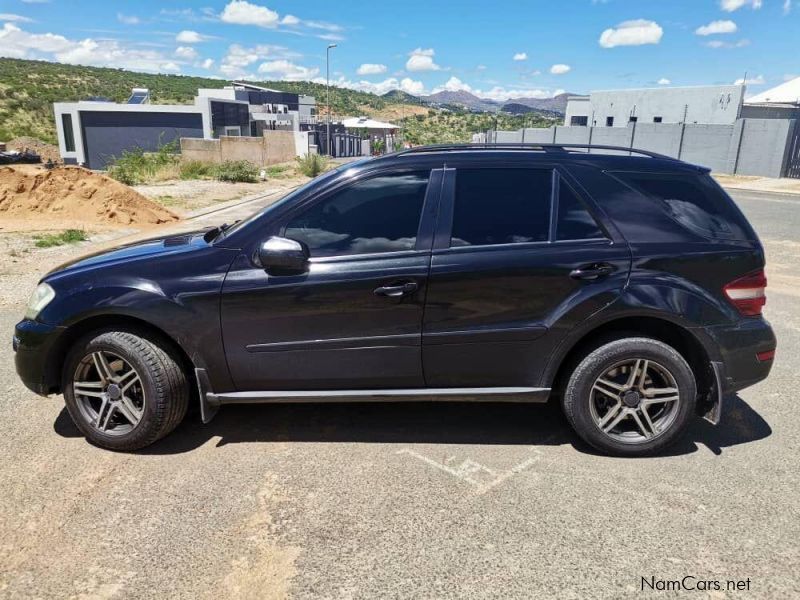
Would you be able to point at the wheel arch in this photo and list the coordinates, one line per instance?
(682, 338)
(111, 322)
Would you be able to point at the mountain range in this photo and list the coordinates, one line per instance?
(556, 105)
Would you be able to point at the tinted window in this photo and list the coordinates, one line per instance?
(376, 215)
(574, 220)
(501, 206)
(69, 135)
(696, 202)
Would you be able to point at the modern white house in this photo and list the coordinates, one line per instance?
(92, 133)
(713, 105)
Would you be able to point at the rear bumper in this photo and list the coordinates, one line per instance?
(33, 344)
(738, 346)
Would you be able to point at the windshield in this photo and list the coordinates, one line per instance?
(288, 197)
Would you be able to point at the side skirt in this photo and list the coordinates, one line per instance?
(210, 401)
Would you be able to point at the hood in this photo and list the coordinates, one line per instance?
(149, 248)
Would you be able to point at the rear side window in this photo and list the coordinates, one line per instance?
(575, 222)
(694, 201)
(376, 215)
(501, 206)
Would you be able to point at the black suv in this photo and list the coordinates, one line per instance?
(625, 284)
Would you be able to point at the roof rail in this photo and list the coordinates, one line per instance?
(528, 146)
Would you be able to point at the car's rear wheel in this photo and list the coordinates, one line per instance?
(631, 397)
(124, 391)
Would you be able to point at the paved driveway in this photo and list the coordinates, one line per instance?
(422, 501)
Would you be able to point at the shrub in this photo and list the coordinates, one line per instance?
(196, 169)
(137, 166)
(70, 236)
(312, 165)
(237, 171)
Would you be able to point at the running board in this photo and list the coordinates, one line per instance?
(210, 402)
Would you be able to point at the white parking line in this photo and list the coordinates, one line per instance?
(473, 472)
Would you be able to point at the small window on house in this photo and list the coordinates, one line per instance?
(633, 119)
(69, 134)
(609, 121)
(579, 121)
(575, 222)
(657, 119)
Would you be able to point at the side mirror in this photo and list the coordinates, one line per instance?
(282, 256)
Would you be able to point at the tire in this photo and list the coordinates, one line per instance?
(637, 421)
(123, 391)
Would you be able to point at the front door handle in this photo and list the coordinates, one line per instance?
(592, 272)
(397, 290)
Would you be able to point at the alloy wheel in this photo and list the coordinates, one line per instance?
(109, 393)
(635, 401)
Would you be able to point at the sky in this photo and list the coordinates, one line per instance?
(495, 49)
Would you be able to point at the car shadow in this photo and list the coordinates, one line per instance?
(424, 423)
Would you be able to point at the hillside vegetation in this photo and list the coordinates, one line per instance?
(437, 127)
(28, 89)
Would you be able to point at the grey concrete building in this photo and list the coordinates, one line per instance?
(709, 105)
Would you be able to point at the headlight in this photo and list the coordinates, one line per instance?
(41, 297)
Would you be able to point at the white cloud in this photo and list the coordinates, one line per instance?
(12, 18)
(188, 36)
(186, 52)
(371, 69)
(787, 6)
(408, 85)
(207, 64)
(241, 12)
(732, 5)
(716, 27)
(422, 60)
(560, 69)
(285, 69)
(721, 44)
(632, 33)
(290, 20)
(454, 84)
(128, 19)
(17, 43)
(664, 81)
(481, 68)
(521, 56)
(238, 57)
(35, 1)
(757, 80)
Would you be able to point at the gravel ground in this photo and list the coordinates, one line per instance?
(393, 501)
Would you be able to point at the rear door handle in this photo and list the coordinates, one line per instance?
(397, 290)
(592, 272)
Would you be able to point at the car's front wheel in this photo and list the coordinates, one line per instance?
(124, 391)
(631, 397)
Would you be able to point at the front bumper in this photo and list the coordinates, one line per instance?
(34, 343)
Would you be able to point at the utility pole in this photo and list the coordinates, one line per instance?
(328, 76)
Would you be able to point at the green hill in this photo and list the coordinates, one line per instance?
(28, 89)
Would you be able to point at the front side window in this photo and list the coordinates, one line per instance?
(380, 214)
(501, 206)
(69, 134)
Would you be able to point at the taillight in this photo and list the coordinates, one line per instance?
(748, 293)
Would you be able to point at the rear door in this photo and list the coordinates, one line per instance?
(519, 257)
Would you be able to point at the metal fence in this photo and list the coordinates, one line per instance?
(762, 147)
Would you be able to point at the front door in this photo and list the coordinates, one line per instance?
(354, 320)
(518, 260)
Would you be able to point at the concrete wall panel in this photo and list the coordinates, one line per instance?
(764, 147)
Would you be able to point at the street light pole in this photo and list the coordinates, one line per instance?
(328, 76)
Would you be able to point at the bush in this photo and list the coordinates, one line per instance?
(137, 166)
(70, 236)
(312, 165)
(196, 169)
(237, 171)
